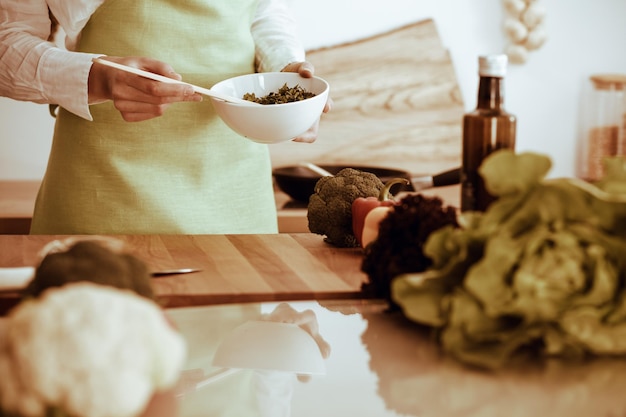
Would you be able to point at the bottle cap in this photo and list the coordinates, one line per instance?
(492, 65)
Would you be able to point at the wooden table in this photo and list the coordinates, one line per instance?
(17, 199)
(234, 268)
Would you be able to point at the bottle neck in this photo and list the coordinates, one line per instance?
(490, 93)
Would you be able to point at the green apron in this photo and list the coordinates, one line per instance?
(185, 172)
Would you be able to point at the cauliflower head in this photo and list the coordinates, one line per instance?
(330, 206)
(87, 350)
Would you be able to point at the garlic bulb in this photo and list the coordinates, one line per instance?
(533, 15)
(515, 30)
(515, 7)
(536, 38)
(524, 28)
(518, 54)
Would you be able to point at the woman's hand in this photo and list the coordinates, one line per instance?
(137, 98)
(306, 70)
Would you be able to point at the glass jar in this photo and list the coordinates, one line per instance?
(602, 124)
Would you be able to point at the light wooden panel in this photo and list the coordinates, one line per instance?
(396, 103)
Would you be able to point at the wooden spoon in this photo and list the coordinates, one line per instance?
(163, 79)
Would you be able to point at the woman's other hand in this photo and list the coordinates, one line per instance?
(307, 70)
(137, 98)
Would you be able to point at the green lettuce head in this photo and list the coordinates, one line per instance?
(541, 271)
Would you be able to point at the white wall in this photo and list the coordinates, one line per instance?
(584, 37)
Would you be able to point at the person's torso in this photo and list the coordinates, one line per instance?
(183, 172)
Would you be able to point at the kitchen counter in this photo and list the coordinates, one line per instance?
(380, 364)
(17, 199)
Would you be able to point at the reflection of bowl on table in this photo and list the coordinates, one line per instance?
(298, 182)
(270, 123)
(272, 346)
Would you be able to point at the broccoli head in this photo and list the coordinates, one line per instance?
(330, 206)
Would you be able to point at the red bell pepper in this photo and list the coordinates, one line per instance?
(362, 206)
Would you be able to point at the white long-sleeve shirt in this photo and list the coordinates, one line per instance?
(34, 69)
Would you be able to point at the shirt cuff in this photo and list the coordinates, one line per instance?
(275, 35)
(66, 77)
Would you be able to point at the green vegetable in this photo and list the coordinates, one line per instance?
(285, 94)
(542, 271)
(86, 350)
(330, 206)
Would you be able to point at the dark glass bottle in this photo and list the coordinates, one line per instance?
(486, 129)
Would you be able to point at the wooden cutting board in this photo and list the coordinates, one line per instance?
(234, 268)
(396, 100)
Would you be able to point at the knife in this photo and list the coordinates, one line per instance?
(167, 272)
(17, 278)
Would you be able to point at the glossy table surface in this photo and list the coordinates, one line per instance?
(382, 365)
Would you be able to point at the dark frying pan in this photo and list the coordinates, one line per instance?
(298, 182)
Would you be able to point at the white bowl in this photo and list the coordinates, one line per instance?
(270, 123)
